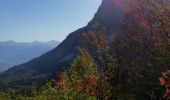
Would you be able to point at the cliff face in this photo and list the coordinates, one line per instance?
(109, 15)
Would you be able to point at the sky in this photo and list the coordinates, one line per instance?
(43, 20)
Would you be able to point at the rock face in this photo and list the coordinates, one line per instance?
(109, 15)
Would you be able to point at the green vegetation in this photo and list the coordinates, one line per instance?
(109, 68)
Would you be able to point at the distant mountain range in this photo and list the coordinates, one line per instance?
(14, 53)
(109, 15)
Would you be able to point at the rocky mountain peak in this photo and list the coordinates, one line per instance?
(110, 14)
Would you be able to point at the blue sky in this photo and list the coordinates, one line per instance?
(43, 20)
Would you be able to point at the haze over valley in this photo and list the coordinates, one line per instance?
(14, 53)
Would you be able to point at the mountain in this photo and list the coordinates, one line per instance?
(14, 53)
(109, 15)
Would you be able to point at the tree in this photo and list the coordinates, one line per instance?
(79, 81)
(98, 44)
(144, 51)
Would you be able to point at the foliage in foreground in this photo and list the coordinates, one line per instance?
(117, 69)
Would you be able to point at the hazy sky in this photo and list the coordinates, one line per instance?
(43, 20)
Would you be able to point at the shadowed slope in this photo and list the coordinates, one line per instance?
(109, 15)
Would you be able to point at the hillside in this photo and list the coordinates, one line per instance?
(109, 15)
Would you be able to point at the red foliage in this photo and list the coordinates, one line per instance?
(89, 85)
(78, 87)
(61, 83)
(165, 83)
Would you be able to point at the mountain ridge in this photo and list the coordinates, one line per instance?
(14, 53)
(109, 15)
